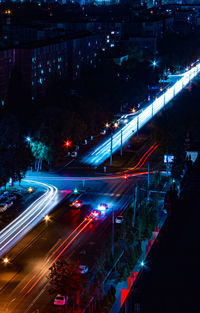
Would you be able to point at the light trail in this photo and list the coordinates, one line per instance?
(102, 152)
(46, 262)
(148, 156)
(148, 153)
(20, 226)
(59, 250)
(66, 178)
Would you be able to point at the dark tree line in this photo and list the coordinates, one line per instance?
(15, 155)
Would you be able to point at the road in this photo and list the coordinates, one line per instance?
(21, 225)
(130, 127)
(23, 282)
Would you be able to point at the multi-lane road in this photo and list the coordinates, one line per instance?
(23, 282)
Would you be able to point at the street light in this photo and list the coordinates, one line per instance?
(30, 190)
(116, 125)
(47, 218)
(107, 125)
(5, 260)
(68, 144)
(28, 139)
(142, 264)
(154, 63)
(75, 190)
(133, 110)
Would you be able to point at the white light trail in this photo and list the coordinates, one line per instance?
(103, 151)
(20, 226)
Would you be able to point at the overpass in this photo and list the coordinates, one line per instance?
(103, 151)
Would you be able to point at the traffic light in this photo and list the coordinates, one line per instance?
(68, 143)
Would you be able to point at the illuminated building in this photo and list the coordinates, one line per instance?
(42, 63)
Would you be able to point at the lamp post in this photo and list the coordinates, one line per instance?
(121, 150)
(113, 230)
(111, 139)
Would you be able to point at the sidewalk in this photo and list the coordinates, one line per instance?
(123, 285)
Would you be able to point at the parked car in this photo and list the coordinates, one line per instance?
(59, 300)
(83, 269)
(10, 195)
(9, 203)
(119, 219)
(3, 207)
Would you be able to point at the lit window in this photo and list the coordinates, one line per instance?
(40, 80)
(88, 44)
(77, 66)
(42, 72)
(2, 102)
(32, 83)
(49, 70)
(58, 67)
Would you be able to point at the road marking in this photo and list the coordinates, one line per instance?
(105, 194)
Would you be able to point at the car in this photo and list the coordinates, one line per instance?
(9, 203)
(119, 219)
(10, 195)
(76, 203)
(59, 300)
(83, 269)
(102, 207)
(3, 207)
(95, 214)
(74, 154)
(103, 132)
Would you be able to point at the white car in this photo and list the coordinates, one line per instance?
(119, 219)
(59, 300)
(3, 207)
(83, 269)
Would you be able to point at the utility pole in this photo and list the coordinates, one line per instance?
(148, 182)
(134, 206)
(121, 151)
(111, 138)
(113, 231)
(167, 162)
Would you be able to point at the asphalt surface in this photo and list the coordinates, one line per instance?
(23, 282)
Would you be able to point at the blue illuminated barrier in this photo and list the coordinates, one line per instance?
(102, 152)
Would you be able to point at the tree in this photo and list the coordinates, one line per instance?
(40, 152)
(15, 156)
(66, 279)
